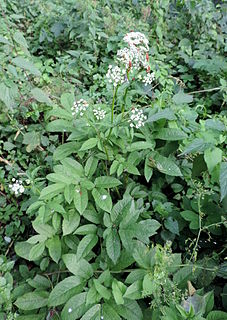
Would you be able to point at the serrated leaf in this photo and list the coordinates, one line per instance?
(102, 290)
(77, 305)
(86, 245)
(64, 290)
(134, 291)
(79, 268)
(41, 96)
(89, 144)
(118, 297)
(166, 165)
(54, 246)
(170, 134)
(70, 222)
(36, 251)
(107, 182)
(27, 65)
(51, 191)
(212, 158)
(93, 311)
(102, 199)
(64, 150)
(182, 97)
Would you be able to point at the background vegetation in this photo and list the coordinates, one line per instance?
(113, 222)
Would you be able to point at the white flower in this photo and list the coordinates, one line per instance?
(137, 118)
(148, 78)
(137, 39)
(80, 107)
(99, 114)
(115, 75)
(17, 187)
(70, 310)
(103, 197)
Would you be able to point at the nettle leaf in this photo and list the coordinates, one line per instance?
(80, 199)
(170, 134)
(109, 313)
(113, 245)
(54, 246)
(32, 140)
(79, 267)
(163, 114)
(182, 97)
(67, 100)
(107, 182)
(212, 158)
(192, 217)
(102, 199)
(70, 222)
(223, 180)
(92, 312)
(172, 225)
(165, 165)
(32, 300)
(27, 65)
(60, 125)
(130, 310)
(90, 166)
(117, 293)
(77, 307)
(134, 291)
(86, 245)
(41, 96)
(89, 144)
(64, 290)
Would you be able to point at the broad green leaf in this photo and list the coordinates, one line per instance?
(149, 285)
(64, 150)
(182, 97)
(8, 95)
(90, 166)
(51, 191)
(165, 165)
(130, 310)
(23, 249)
(32, 140)
(102, 199)
(118, 297)
(212, 157)
(113, 245)
(137, 274)
(75, 307)
(86, 229)
(39, 282)
(60, 178)
(70, 222)
(73, 167)
(54, 246)
(36, 251)
(107, 182)
(140, 145)
(217, 315)
(60, 125)
(192, 217)
(64, 290)
(43, 229)
(163, 114)
(172, 225)
(41, 96)
(92, 312)
(20, 39)
(134, 291)
(79, 268)
(67, 100)
(27, 65)
(80, 199)
(86, 245)
(32, 317)
(89, 144)
(32, 300)
(109, 313)
(223, 180)
(170, 134)
(141, 255)
(102, 290)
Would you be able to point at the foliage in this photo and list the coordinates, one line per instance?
(122, 214)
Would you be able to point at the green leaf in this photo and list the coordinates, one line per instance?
(92, 312)
(32, 300)
(140, 145)
(41, 96)
(23, 249)
(182, 97)
(107, 182)
(141, 255)
(67, 100)
(51, 191)
(134, 291)
(223, 180)
(102, 199)
(77, 306)
(113, 245)
(70, 222)
(90, 166)
(86, 229)
(217, 315)
(166, 165)
(163, 114)
(170, 134)
(129, 311)
(86, 245)
(212, 157)
(20, 39)
(64, 290)
(117, 292)
(64, 150)
(89, 144)
(36, 251)
(149, 285)
(32, 140)
(80, 199)
(79, 268)
(102, 290)
(54, 246)
(192, 217)
(60, 125)
(172, 225)
(43, 229)
(109, 313)
(27, 65)
(8, 95)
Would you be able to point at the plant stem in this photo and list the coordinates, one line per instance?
(193, 256)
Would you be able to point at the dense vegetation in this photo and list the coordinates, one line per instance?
(113, 162)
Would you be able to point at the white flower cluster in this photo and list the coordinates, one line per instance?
(115, 75)
(80, 107)
(147, 79)
(17, 187)
(137, 39)
(132, 58)
(99, 113)
(137, 118)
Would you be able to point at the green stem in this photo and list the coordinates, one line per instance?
(193, 256)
